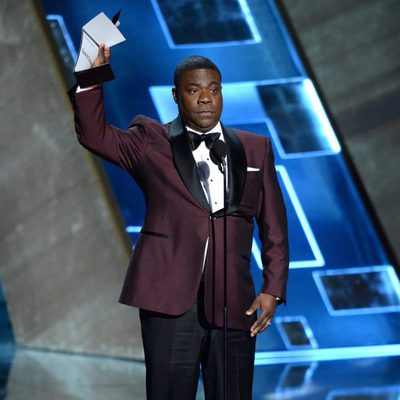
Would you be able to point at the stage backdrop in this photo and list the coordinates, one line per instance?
(341, 277)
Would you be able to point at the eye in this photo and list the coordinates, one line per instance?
(192, 90)
(214, 90)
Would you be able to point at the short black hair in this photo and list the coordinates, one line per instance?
(191, 63)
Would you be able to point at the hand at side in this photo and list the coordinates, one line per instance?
(267, 303)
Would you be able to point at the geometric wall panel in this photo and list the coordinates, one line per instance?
(295, 332)
(295, 378)
(188, 23)
(305, 252)
(361, 290)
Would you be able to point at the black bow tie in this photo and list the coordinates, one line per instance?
(209, 139)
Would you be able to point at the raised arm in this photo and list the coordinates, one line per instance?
(121, 147)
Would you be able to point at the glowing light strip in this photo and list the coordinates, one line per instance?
(296, 155)
(65, 33)
(239, 93)
(364, 392)
(247, 16)
(245, 96)
(163, 24)
(267, 82)
(319, 260)
(393, 279)
(335, 353)
(133, 228)
(276, 140)
(287, 38)
(316, 104)
(321, 118)
(167, 110)
(250, 21)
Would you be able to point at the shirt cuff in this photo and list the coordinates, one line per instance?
(79, 89)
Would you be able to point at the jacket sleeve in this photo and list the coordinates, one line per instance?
(272, 227)
(121, 147)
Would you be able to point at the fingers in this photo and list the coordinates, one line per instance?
(260, 327)
(107, 54)
(266, 325)
(267, 304)
(254, 306)
(103, 55)
(100, 52)
(261, 324)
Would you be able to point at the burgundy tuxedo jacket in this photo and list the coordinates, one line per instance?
(166, 265)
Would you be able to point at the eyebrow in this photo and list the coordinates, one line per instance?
(198, 84)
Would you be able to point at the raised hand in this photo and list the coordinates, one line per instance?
(103, 56)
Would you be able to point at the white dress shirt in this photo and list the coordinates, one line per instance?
(211, 178)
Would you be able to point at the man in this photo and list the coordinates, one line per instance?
(175, 275)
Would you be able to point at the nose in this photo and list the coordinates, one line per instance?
(204, 97)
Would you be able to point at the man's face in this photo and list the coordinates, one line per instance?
(199, 99)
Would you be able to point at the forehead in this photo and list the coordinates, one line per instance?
(200, 77)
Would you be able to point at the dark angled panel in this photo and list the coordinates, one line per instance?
(295, 332)
(202, 22)
(295, 377)
(369, 288)
(298, 118)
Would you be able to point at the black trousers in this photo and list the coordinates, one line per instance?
(175, 347)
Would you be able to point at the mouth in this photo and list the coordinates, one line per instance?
(205, 113)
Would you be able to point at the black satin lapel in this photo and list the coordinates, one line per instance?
(184, 161)
(237, 167)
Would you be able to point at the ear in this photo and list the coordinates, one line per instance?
(175, 95)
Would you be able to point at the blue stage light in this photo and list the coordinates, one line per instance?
(334, 353)
(319, 259)
(245, 105)
(60, 20)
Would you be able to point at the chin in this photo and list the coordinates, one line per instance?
(206, 128)
(207, 124)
